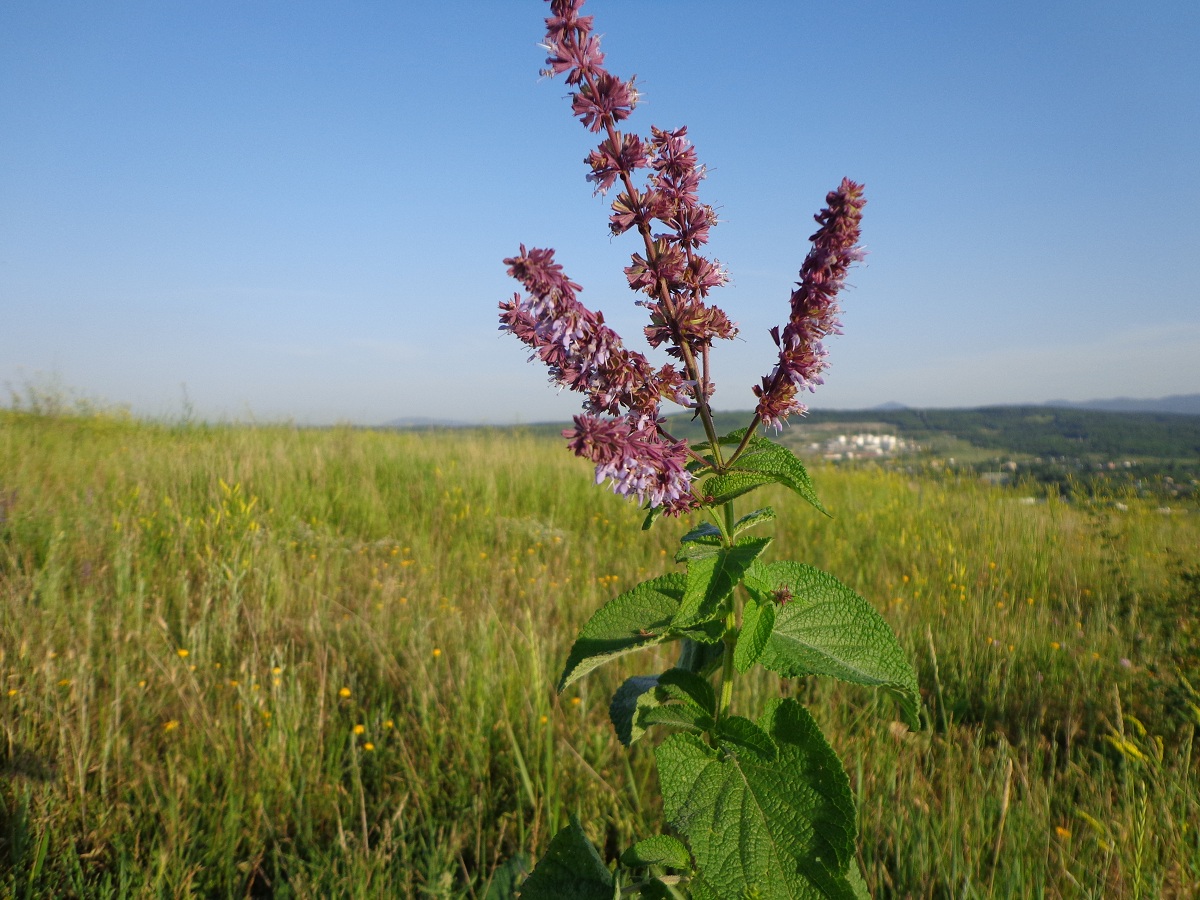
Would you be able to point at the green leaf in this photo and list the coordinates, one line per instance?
(752, 519)
(654, 889)
(638, 618)
(857, 883)
(700, 547)
(757, 621)
(774, 462)
(507, 876)
(571, 868)
(711, 579)
(740, 735)
(676, 698)
(689, 687)
(730, 486)
(634, 693)
(776, 830)
(703, 531)
(827, 629)
(700, 655)
(674, 715)
(660, 850)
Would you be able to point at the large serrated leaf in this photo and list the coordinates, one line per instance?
(660, 850)
(778, 830)
(758, 620)
(637, 618)
(776, 463)
(570, 868)
(828, 629)
(711, 579)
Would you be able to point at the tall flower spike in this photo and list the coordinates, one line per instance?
(814, 306)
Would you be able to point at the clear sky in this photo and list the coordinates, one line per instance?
(299, 209)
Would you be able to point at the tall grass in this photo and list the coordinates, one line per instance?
(279, 662)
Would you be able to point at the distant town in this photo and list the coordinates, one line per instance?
(865, 445)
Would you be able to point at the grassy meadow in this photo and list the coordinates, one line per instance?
(269, 661)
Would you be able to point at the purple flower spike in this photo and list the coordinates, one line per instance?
(814, 306)
(637, 461)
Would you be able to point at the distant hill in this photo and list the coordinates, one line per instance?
(1180, 404)
(1033, 430)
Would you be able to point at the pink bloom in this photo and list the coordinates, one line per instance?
(814, 305)
(637, 461)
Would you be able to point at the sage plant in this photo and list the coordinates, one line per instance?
(756, 807)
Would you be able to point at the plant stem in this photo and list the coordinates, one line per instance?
(727, 672)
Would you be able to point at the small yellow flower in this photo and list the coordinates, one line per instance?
(171, 725)
(1055, 645)
(1062, 832)
(183, 653)
(543, 720)
(575, 701)
(276, 671)
(277, 681)
(66, 682)
(437, 651)
(359, 729)
(368, 746)
(233, 682)
(12, 692)
(344, 693)
(389, 724)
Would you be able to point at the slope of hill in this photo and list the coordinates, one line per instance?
(1032, 430)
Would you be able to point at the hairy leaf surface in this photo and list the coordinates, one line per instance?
(638, 618)
(660, 850)
(778, 830)
(711, 579)
(570, 868)
(758, 620)
(828, 629)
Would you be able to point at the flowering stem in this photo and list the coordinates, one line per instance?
(699, 378)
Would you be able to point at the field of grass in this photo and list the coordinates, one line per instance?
(267, 661)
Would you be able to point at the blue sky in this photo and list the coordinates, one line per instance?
(299, 210)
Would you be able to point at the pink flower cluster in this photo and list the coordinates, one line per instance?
(621, 430)
(670, 271)
(585, 355)
(814, 306)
